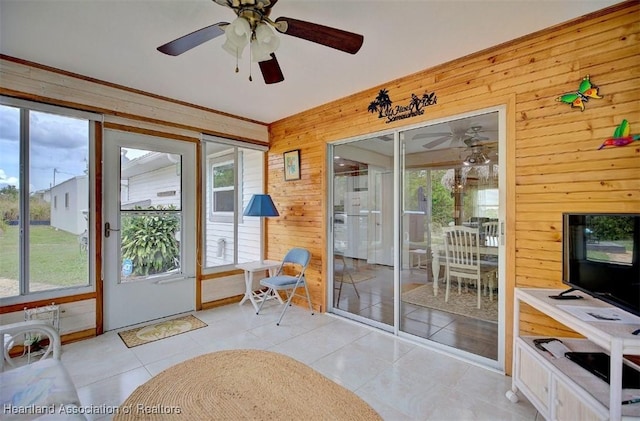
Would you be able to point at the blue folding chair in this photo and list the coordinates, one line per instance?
(298, 258)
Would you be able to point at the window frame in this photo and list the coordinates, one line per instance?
(236, 218)
(25, 294)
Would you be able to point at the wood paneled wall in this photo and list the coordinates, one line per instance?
(553, 164)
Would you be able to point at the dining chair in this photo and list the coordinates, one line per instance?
(462, 257)
(490, 233)
(340, 269)
(491, 238)
(295, 261)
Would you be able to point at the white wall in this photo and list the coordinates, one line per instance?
(70, 218)
(146, 186)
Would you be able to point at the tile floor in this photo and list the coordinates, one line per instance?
(399, 379)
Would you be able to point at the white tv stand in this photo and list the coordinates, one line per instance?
(559, 388)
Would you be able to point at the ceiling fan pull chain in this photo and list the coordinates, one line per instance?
(250, 78)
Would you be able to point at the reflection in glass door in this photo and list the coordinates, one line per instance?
(450, 206)
(363, 231)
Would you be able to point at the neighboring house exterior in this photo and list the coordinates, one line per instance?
(154, 179)
(43, 194)
(70, 204)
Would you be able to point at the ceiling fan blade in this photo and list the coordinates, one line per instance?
(425, 135)
(324, 35)
(458, 143)
(189, 41)
(436, 142)
(271, 71)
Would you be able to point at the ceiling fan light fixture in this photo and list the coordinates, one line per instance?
(476, 158)
(264, 43)
(266, 36)
(238, 35)
(232, 49)
(258, 53)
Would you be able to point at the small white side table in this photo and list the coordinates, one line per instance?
(249, 269)
(420, 253)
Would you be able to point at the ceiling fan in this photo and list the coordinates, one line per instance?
(459, 136)
(480, 153)
(254, 27)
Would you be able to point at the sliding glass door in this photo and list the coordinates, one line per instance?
(362, 185)
(398, 201)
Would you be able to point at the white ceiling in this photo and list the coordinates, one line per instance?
(116, 40)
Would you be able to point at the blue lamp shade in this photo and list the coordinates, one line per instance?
(261, 205)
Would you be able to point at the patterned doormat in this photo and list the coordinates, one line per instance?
(164, 329)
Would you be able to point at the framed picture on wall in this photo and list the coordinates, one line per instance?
(292, 165)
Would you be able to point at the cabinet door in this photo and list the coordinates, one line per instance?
(568, 406)
(536, 377)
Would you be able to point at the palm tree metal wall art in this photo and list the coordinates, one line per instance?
(385, 109)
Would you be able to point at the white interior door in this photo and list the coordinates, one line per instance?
(149, 221)
(381, 204)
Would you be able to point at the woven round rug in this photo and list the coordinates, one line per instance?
(243, 385)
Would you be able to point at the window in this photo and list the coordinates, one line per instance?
(147, 209)
(235, 173)
(45, 154)
(223, 188)
(488, 203)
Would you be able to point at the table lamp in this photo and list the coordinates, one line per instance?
(261, 205)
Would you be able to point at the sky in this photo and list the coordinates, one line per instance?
(59, 148)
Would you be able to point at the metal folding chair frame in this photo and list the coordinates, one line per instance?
(297, 256)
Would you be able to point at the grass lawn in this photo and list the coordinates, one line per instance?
(55, 257)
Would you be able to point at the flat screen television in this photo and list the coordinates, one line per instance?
(601, 257)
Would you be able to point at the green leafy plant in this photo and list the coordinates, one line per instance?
(612, 228)
(148, 240)
(39, 210)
